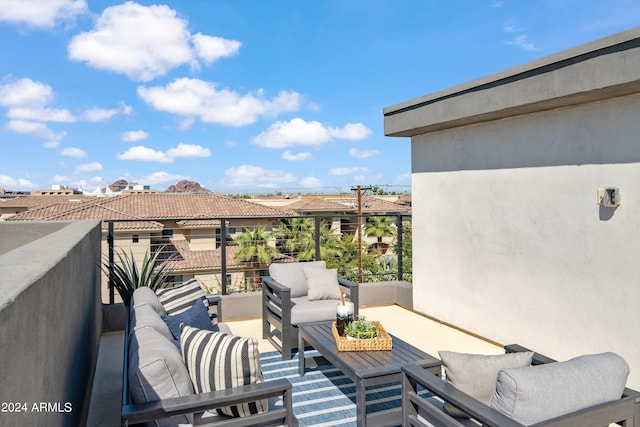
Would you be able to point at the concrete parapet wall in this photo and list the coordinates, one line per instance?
(50, 323)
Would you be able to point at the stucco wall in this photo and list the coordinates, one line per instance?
(508, 239)
(50, 324)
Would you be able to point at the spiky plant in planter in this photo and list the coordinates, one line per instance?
(127, 276)
(361, 329)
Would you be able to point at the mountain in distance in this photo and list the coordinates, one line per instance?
(186, 186)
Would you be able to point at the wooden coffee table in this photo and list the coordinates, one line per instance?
(364, 368)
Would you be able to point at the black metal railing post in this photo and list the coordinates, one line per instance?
(223, 255)
(112, 298)
(317, 237)
(399, 228)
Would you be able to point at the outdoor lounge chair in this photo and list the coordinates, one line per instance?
(286, 302)
(577, 392)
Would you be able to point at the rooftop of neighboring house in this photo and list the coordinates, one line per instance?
(143, 206)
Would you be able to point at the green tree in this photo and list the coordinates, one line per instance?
(379, 226)
(407, 249)
(298, 235)
(254, 248)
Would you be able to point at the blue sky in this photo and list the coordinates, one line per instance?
(250, 96)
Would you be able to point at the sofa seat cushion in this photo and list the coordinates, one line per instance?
(475, 374)
(156, 371)
(145, 316)
(144, 295)
(538, 393)
(303, 310)
(181, 298)
(219, 361)
(196, 316)
(292, 276)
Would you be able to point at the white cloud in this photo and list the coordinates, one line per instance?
(311, 182)
(89, 167)
(194, 98)
(160, 178)
(41, 114)
(524, 43)
(299, 132)
(404, 178)
(25, 93)
(51, 144)
(60, 179)
(73, 152)
(144, 42)
(256, 176)
(363, 154)
(134, 135)
(40, 13)
(99, 114)
(188, 151)
(288, 155)
(347, 171)
(145, 154)
(35, 128)
(210, 49)
(10, 183)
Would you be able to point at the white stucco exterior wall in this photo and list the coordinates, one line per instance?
(512, 243)
(509, 241)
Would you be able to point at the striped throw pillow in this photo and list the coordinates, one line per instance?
(181, 298)
(219, 361)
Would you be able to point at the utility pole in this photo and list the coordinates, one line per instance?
(359, 190)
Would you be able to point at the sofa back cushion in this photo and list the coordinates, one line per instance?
(292, 276)
(156, 371)
(145, 296)
(538, 393)
(145, 316)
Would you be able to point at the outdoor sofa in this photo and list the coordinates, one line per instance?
(300, 292)
(587, 391)
(160, 386)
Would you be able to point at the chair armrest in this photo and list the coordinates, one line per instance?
(538, 359)
(414, 375)
(353, 291)
(274, 284)
(138, 413)
(215, 300)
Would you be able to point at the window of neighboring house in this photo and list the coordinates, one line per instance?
(135, 238)
(167, 233)
(232, 230)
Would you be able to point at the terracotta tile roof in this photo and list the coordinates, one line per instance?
(204, 260)
(198, 223)
(317, 205)
(149, 206)
(377, 205)
(28, 202)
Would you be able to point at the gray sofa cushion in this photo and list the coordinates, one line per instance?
(538, 393)
(292, 276)
(144, 316)
(303, 310)
(144, 295)
(475, 374)
(322, 283)
(156, 371)
(197, 316)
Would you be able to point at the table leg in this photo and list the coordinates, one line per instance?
(301, 363)
(361, 403)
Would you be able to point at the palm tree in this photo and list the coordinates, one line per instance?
(299, 238)
(379, 226)
(254, 248)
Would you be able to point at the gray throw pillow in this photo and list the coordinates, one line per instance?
(291, 275)
(538, 393)
(476, 374)
(180, 298)
(322, 283)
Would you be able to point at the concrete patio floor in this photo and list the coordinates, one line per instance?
(420, 331)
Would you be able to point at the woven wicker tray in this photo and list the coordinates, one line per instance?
(383, 342)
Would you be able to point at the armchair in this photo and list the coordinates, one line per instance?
(286, 302)
(578, 383)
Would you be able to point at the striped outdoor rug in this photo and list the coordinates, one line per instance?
(325, 396)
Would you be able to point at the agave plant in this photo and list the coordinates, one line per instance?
(127, 276)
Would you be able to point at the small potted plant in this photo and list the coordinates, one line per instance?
(361, 329)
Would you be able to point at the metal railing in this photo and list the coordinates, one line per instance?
(230, 254)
